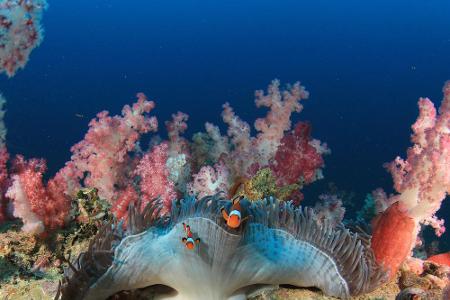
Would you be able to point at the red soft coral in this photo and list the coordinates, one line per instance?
(154, 177)
(38, 205)
(126, 197)
(391, 238)
(248, 153)
(298, 157)
(442, 259)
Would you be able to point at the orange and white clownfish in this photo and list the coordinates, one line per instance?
(234, 218)
(189, 241)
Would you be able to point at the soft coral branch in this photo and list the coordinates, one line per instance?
(252, 153)
(282, 103)
(154, 177)
(103, 153)
(294, 156)
(20, 32)
(178, 161)
(40, 206)
(210, 180)
(298, 156)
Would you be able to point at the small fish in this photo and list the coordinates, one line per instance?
(79, 116)
(234, 219)
(189, 239)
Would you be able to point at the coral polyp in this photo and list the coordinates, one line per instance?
(280, 244)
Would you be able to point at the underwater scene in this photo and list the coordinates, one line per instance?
(208, 150)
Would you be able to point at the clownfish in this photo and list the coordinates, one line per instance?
(234, 219)
(189, 241)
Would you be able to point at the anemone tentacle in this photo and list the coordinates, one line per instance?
(280, 244)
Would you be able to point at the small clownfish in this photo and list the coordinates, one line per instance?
(234, 219)
(189, 239)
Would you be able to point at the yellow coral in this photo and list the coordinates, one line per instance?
(263, 185)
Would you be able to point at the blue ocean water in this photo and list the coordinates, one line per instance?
(365, 64)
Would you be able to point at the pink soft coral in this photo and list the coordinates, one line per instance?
(40, 206)
(103, 154)
(178, 161)
(20, 32)
(103, 157)
(252, 153)
(154, 177)
(422, 181)
(278, 120)
(175, 128)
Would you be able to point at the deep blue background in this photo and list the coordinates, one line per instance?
(364, 62)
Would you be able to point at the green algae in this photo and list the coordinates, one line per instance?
(264, 185)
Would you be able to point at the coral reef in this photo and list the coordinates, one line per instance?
(240, 156)
(99, 161)
(109, 160)
(32, 265)
(113, 215)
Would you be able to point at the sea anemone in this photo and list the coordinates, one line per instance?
(279, 244)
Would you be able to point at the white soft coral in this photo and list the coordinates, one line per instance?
(210, 180)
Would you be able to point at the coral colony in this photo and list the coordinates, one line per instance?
(216, 216)
(20, 32)
(238, 197)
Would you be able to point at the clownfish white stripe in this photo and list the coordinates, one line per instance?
(236, 212)
(190, 240)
